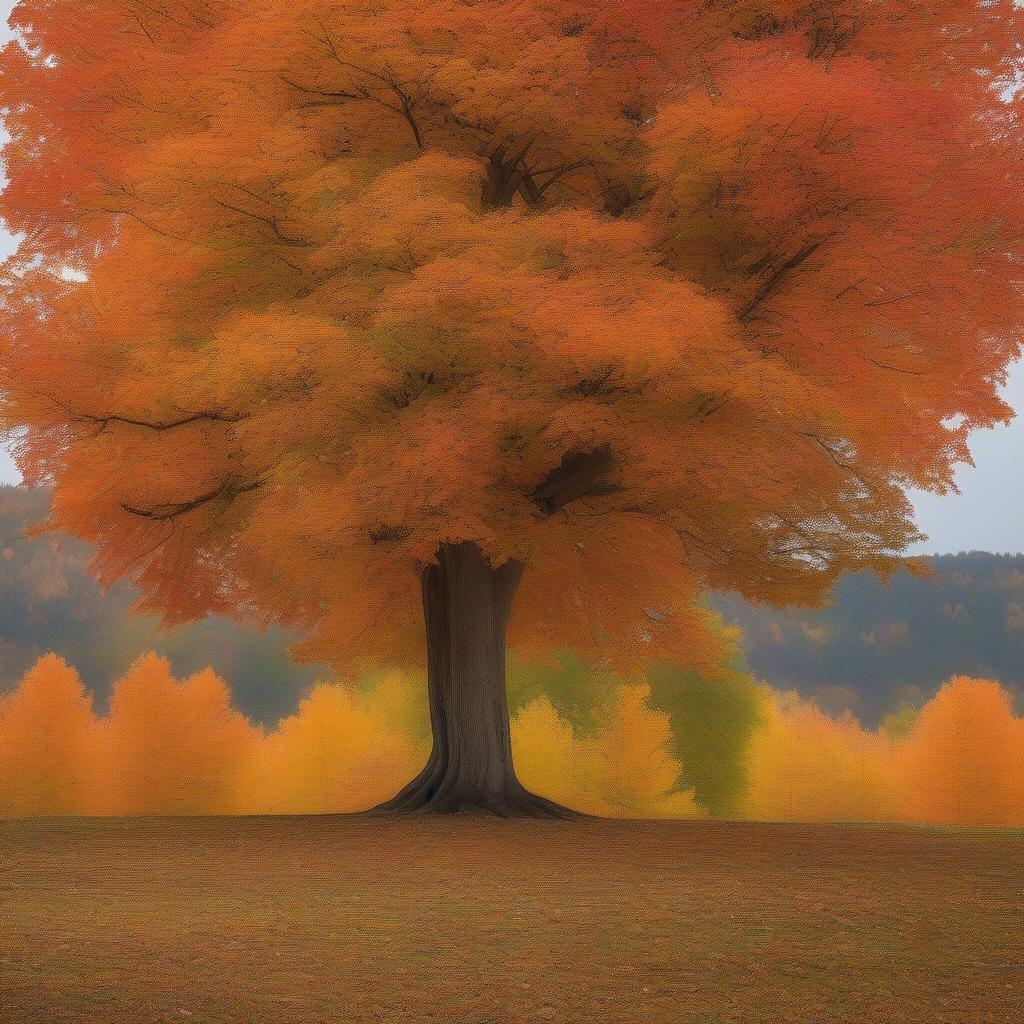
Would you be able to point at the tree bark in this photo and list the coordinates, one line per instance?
(466, 606)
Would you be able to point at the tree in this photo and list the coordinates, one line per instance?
(400, 322)
(170, 747)
(963, 758)
(47, 739)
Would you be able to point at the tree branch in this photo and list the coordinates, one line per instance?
(404, 106)
(212, 417)
(185, 419)
(166, 511)
(771, 284)
(270, 221)
(839, 462)
(578, 475)
(508, 175)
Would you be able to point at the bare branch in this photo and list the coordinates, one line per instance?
(327, 93)
(555, 174)
(839, 462)
(270, 221)
(212, 417)
(896, 369)
(166, 511)
(103, 421)
(144, 223)
(404, 102)
(775, 279)
(508, 175)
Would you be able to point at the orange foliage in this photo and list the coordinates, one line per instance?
(339, 752)
(346, 751)
(963, 761)
(170, 747)
(179, 748)
(638, 776)
(805, 766)
(47, 743)
(553, 761)
(308, 290)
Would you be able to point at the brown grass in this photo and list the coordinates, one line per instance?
(306, 920)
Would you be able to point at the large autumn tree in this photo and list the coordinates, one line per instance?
(538, 316)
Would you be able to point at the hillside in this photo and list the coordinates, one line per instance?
(879, 646)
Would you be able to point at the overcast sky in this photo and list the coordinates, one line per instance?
(986, 515)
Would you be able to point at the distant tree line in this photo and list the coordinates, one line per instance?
(879, 647)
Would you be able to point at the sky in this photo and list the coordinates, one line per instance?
(985, 515)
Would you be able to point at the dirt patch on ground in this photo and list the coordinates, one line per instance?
(308, 920)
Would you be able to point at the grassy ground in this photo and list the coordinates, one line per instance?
(303, 920)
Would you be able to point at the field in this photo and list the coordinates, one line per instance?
(305, 920)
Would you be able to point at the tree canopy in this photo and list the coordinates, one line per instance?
(650, 297)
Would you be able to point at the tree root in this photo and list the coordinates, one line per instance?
(435, 792)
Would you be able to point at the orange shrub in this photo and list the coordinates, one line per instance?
(624, 770)
(47, 743)
(341, 751)
(963, 760)
(805, 766)
(638, 774)
(170, 747)
(553, 761)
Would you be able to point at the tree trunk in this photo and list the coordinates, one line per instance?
(466, 606)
